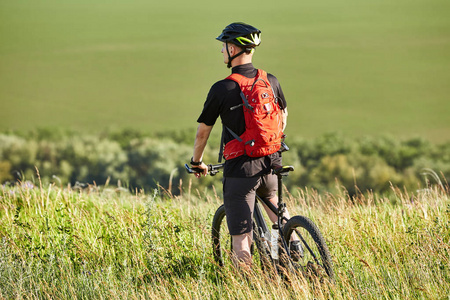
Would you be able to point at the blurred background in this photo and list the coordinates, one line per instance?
(367, 85)
(359, 67)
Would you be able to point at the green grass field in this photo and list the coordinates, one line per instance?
(107, 244)
(359, 67)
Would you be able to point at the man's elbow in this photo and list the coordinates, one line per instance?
(203, 131)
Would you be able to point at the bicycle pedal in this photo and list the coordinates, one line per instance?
(296, 250)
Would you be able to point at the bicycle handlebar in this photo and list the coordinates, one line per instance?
(212, 169)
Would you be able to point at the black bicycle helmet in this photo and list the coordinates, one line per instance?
(243, 35)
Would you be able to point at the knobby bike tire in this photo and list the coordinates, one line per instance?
(310, 264)
(218, 250)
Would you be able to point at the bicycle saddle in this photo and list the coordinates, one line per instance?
(282, 170)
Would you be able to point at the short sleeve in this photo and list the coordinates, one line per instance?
(212, 106)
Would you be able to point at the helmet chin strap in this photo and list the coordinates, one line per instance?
(230, 58)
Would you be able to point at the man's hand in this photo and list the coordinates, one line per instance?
(203, 167)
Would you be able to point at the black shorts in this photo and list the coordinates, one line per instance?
(239, 199)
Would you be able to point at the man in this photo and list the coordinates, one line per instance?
(243, 175)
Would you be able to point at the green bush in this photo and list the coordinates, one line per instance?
(371, 163)
(153, 161)
(396, 153)
(147, 161)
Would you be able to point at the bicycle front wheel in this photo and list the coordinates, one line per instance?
(312, 258)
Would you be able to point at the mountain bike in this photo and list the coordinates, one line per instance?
(275, 244)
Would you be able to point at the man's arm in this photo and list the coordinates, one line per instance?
(201, 139)
(284, 114)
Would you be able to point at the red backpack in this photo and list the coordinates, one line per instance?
(263, 119)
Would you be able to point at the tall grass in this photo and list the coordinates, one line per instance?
(104, 243)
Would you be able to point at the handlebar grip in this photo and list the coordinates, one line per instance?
(212, 169)
(197, 170)
(192, 170)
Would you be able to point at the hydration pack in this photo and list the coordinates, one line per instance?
(263, 119)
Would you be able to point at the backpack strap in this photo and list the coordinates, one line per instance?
(219, 160)
(222, 140)
(244, 99)
(238, 79)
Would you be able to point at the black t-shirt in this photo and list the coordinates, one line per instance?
(225, 94)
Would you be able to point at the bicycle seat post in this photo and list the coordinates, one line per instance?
(281, 171)
(281, 204)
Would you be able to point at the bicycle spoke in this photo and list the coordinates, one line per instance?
(308, 247)
(311, 255)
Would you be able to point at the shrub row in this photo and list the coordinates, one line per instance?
(369, 163)
(147, 161)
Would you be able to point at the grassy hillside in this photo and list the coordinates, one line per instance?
(104, 243)
(357, 67)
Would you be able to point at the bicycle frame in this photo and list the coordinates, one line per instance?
(267, 242)
(279, 171)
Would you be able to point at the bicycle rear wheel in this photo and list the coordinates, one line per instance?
(316, 259)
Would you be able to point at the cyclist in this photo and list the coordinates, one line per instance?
(243, 175)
